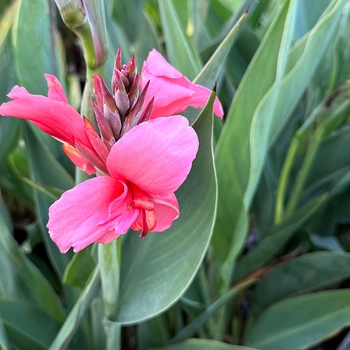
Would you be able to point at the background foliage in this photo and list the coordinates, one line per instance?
(260, 256)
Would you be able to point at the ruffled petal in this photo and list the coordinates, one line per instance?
(166, 210)
(172, 92)
(156, 155)
(55, 118)
(96, 210)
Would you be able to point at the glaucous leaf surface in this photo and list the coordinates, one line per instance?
(157, 270)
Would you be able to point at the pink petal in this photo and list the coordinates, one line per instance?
(55, 118)
(155, 155)
(158, 66)
(166, 210)
(94, 211)
(56, 91)
(78, 160)
(172, 92)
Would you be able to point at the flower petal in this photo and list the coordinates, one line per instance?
(78, 160)
(96, 210)
(56, 91)
(172, 92)
(55, 118)
(166, 210)
(155, 155)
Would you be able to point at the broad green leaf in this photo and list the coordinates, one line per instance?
(4, 212)
(153, 333)
(127, 15)
(11, 181)
(307, 320)
(157, 270)
(47, 171)
(302, 62)
(76, 315)
(276, 237)
(326, 242)
(23, 319)
(9, 127)
(22, 279)
(116, 38)
(213, 68)
(97, 329)
(79, 268)
(35, 51)
(323, 174)
(201, 344)
(196, 16)
(301, 275)
(195, 325)
(218, 14)
(142, 47)
(180, 51)
(308, 15)
(243, 144)
(3, 336)
(335, 212)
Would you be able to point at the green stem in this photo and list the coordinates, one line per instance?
(206, 295)
(113, 334)
(109, 264)
(284, 177)
(289, 162)
(304, 171)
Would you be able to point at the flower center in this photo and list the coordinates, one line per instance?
(146, 221)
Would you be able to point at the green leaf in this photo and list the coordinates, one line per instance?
(9, 127)
(153, 333)
(76, 315)
(201, 344)
(194, 326)
(303, 60)
(323, 174)
(127, 15)
(22, 279)
(79, 268)
(3, 336)
(243, 144)
(157, 270)
(301, 275)
(277, 236)
(142, 47)
(328, 242)
(213, 68)
(308, 16)
(307, 320)
(35, 51)
(180, 51)
(47, 171)
(29, 321)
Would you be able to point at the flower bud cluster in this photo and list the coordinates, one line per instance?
(119, 111)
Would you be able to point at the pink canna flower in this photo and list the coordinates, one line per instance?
(161, 91)
(146, 166)
(172, 92)
(141, 161)
(56, 117)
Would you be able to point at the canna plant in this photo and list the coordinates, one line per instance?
(227, 152)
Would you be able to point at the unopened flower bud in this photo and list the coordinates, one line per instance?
(122, 102)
